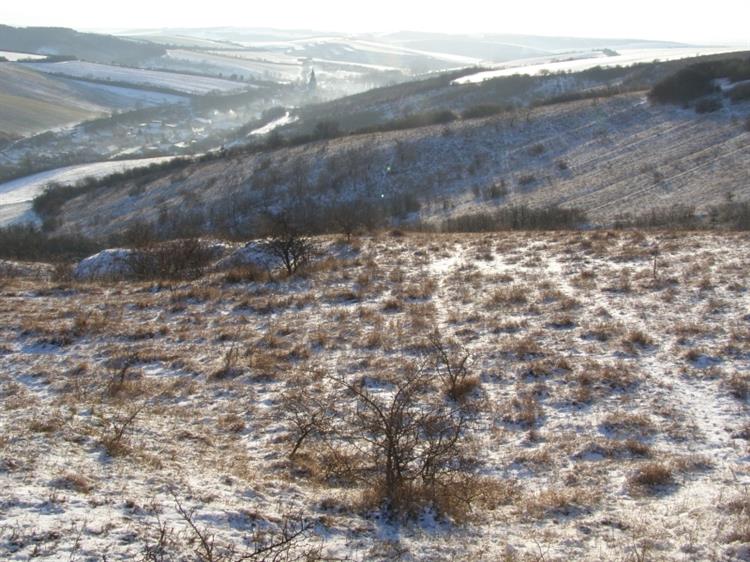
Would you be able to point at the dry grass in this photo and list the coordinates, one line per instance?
(650, 479)
(585, 373)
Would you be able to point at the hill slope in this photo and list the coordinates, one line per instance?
(610, 156)
(31, 102)
(67, 42)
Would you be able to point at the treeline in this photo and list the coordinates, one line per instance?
(49, 203)
(236, 220)
(29, 243)
(697, 80)
(518, 217)
(412, 121)
(732, 215)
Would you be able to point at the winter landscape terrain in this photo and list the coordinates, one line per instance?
(609, 373)
(291, 295)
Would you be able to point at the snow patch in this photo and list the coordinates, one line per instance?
(107, 264)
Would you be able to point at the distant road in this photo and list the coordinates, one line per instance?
(16, 195)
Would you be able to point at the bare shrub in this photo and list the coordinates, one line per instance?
(452, 364)
(738, 386)
(178, 259)
(559, 501)
(261, 546)
(247, 274)
(287, 243)
(113, 435)
(75, 482)
(306, 411)
(230, 367)
(524, 410)
(415, 440)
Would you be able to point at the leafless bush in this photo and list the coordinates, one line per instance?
(414, 439)
(452, 364)
(178, 259)
(287, 243)
(738, 386)
(307, 412)
(115, 428)
(284, 545)
(230, 366)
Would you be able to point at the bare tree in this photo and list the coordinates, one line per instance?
(287, 242)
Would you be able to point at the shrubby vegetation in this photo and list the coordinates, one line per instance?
(517, 218)
(739, 93)
(731, 215)
(177, 259)
(29, 243)
(49, 203)
(413, 121)
(675, 217)
(485, 110)
(696, 80)
(708, 105)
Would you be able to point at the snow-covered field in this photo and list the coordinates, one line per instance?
(13, 56)
(16, 195)
(261, 65)
(187, 83)
(561, 63)
(286, 119)
(612, 372)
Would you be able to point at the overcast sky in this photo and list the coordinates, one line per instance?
(724, 21)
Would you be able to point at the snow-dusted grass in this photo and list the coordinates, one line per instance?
(614, 368)
(189, 84)
(16, 196)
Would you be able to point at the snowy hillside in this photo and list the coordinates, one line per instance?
(609, 156)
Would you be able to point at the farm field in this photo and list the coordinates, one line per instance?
(607, 374)
(189, 84)
(14, 57)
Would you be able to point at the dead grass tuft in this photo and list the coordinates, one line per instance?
(650, 479)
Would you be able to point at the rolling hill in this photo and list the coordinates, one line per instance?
(607, 156)
(85, 46)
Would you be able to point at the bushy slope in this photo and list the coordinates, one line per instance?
(611, 156)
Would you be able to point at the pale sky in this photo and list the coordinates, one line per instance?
(717, 21)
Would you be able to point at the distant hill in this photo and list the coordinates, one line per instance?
(84, 46)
